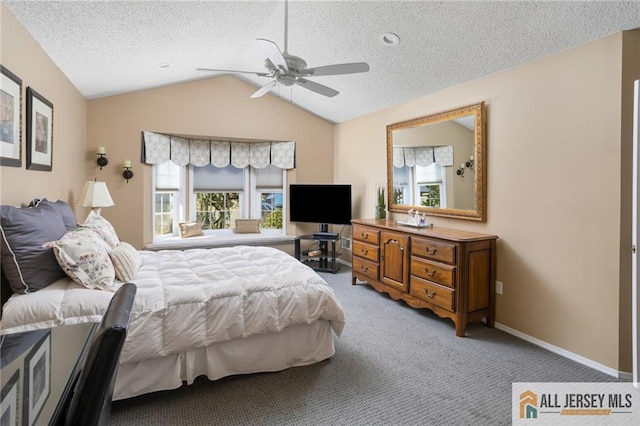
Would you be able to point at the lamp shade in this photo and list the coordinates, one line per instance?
(94, 195)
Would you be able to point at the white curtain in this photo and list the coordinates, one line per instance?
(283, 155)
(423, 156)
(398, 157)
(180, 151)
(220, 154)
(443, 155)
(156, 148)
(199, 152)
(159, 148)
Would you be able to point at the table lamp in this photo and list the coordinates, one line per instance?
(95, 195)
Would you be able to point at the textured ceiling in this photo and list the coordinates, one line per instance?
(108, 47)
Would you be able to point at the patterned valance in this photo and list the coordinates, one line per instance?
(158, 148)
(423, 156)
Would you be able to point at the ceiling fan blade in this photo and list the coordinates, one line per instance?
(264, 90)
(259, 74)
(273, 53)
(316, 87)
(337, 69)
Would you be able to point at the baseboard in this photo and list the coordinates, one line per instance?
(344, 262)
(565, 353)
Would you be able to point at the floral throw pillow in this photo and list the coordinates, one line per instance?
(102, 226)
(84, 256)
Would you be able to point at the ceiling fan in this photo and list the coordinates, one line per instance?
(287, 70)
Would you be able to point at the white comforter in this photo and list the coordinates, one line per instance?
(192, 298)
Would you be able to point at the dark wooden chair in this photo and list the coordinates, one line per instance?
(90, 402)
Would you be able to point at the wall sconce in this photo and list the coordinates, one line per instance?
(127, 174)
(469, 163)
(466, 165)
(102, 160)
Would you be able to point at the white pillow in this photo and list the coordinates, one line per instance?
(126, 261)
(84, 256)
(102, 226)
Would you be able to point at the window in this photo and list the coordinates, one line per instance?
(168, 179)
(430, 185)
(430, 195)
(216, 197)
(269, 197)
(402, 178)
(164, 212)
(217, 210)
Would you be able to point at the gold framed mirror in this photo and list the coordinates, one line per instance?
(436, 164)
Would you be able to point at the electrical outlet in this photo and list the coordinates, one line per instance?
(498, 287)
(346, 243)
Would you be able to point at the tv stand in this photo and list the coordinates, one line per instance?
(326, 235)
(325, 261)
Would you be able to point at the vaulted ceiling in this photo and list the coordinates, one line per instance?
(113, 47)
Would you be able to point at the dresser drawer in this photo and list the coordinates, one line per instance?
(366, 267)
(366, 234)
(437, 272)
(435, 250)
(433, 293)
(367, 251)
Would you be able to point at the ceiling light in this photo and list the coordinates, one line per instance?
(390, 39)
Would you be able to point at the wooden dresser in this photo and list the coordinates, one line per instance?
(449, 271)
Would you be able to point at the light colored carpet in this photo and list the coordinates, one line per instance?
(394, 365)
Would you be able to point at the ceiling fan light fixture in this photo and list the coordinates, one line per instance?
(390, 39)
(286, 70)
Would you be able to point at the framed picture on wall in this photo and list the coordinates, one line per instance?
(9, 404)
(10, 118)
(37, 379)
(39, 131)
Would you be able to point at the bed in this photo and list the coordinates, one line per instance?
(213, 312)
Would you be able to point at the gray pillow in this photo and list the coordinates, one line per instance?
(65, 210)
(25, 262)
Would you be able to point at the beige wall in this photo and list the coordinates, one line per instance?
(554, 191)
(24, 57)
(218, 107)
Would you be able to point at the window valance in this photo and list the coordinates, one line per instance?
(423, 156)
(158, 148)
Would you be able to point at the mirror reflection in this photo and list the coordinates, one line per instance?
(435, 164)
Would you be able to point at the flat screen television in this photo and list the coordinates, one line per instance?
(328, 204)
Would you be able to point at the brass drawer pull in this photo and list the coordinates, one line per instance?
(430, 295)
(365, 235)
(364, 251)
(364, 268)
(431, 253)
(432, 273)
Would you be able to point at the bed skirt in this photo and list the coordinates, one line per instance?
(294, 346)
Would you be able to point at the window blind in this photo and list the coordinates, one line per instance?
(269, 177)
(211, 178)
